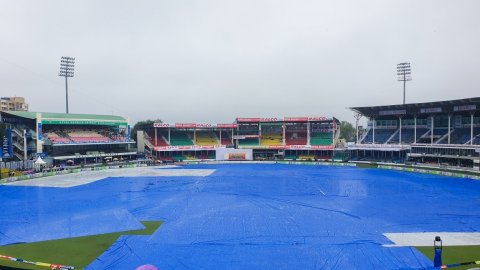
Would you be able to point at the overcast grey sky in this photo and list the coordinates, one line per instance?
(211, 61)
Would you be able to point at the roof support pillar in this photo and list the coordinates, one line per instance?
(433, 126)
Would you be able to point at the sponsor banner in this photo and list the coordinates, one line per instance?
(205, 126)
(236, 156)
(91, 155)
(290, 147)
(393, 112)
(188, 147)
(193, 125)
(431, 110)
(322, 118)
(295, 119)
(242, 137)
(185, 125)
(7, 148)
(81, 122)
(464, 108)
(257, 119)
(227, 125)
(162, 125)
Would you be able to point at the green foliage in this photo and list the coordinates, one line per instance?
(455, 254)
(142, 125)
(347, 131)
(78, 251)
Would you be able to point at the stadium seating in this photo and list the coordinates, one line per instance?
(226, 138)
(87, 136)
(408, 135)
(296, 138)
(160, 139)
(57, 139)
(291, 157)
(248, 142)
(321, 138)
(437, 134)
(460, 136)
(381, 136)
(179, 138)
(179, 158)
(306, 157)
(272, 140)
(206, 137)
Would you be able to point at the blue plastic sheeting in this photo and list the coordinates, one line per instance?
(252, 216)
(31, 214)
(268, 216)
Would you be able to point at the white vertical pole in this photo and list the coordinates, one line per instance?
(471, 129)
(449, 128)
(220, 136)
(373, 138)
(25, 155)
(400, 132)
(308, 133)
(431, 133)
(415, 129)
(259, 133)
(333, 131)
(155, 144)
(283, 139)
(169, 135)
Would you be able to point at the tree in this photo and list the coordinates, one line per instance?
(347, 131)
(142, 125)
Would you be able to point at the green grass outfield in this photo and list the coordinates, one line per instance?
(455, 254)
(81, 251)
(78, 251)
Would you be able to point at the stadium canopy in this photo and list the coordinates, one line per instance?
(69, 119)
(458, 106)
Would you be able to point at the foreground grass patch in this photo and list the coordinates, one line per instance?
(78, 251)
(455, 254)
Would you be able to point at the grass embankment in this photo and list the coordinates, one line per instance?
(455, 254)
(77, 251)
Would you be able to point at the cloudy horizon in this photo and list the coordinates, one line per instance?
(211, 61)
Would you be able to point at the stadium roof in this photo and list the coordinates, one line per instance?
(466, 105)
(71, 118)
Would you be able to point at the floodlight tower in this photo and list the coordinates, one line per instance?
(404, 75)
(67, 65)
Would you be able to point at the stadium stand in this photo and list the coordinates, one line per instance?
(161, 141)
(206, 137)
(180, 138)
(87, 136)
(381, 135)
(69, 138)
(447, 133)
(249, 142)
(296, 134)
(226, 139)
(272, 140)
(321, 138)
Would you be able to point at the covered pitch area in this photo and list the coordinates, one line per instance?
(250, 216)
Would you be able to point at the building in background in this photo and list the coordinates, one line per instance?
(13, 104)
(438, 133)
(69, 139)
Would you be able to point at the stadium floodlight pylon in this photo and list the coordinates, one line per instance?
(67, 66)
(404, 74)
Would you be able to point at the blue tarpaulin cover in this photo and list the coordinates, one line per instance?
(252, 216)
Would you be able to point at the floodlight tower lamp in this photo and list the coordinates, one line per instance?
(404, 75)
(67, 68)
